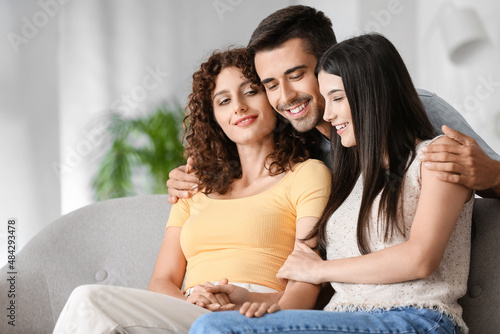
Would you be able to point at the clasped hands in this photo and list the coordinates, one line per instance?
(227, 297)
(201, 296)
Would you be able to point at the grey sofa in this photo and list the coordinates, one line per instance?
(115, 242)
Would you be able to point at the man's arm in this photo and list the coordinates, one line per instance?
(465, 164)
(442, 113)
(473, 164)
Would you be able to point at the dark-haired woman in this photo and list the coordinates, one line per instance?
(258, 191)
(394, 239)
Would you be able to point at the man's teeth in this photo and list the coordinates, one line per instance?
(341, 126)
(298, 109)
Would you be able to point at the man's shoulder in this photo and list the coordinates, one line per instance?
(425, 94)
(433, 103)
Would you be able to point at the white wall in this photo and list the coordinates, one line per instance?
(414, 27)
(29, 189)
(473, 88)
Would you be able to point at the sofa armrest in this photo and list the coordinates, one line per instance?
(113, 242)
(481, 304)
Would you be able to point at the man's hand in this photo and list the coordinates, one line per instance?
(211, 301)
(466, 164)
(181, 182)
(257, 310)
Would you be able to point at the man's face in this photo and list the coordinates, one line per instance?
(287, 74)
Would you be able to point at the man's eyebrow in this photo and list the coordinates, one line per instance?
(244, 83)
(291, 70)
(266, 80)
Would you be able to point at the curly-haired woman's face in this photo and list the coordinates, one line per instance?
(242, 109)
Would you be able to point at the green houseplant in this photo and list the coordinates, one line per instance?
(146, 147)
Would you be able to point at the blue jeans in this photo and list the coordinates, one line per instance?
(397, 320)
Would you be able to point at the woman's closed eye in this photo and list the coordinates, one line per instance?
(271, 86)
(251, 92)
(224, 101)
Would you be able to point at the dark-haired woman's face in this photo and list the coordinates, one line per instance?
(337, 108)
(242, 109)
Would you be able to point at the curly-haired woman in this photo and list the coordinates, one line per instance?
(259, 192)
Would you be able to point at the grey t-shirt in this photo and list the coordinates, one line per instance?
(440, 113)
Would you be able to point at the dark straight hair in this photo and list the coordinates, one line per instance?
(306, 23)
(388, 120)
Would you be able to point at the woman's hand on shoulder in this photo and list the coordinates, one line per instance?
(258, 309)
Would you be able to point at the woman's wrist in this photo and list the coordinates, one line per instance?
(270, 298)
(324, 270)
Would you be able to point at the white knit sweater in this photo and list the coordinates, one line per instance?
(440, 291)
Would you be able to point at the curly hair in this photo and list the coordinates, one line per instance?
(216, 158)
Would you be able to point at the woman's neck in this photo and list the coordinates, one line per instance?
(253, 159)
(255, 177)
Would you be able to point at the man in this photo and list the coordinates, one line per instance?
(286, 47)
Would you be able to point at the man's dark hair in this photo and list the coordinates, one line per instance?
(306, 23)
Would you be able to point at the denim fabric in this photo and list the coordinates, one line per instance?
(397, 320)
